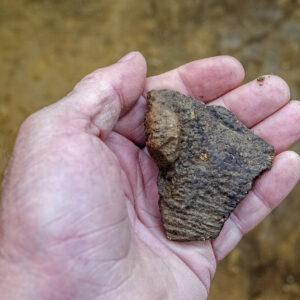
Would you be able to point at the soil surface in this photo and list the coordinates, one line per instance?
(47, 46)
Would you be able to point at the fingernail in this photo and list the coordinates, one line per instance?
(127, 57)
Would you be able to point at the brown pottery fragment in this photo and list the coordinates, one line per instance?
(207, 163)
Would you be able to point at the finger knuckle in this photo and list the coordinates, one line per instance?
(30, 122)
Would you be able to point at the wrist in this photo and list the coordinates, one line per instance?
(20, 281)
(14, 283)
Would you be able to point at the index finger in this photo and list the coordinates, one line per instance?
(204, 79)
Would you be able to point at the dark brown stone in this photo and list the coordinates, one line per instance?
(207, 163)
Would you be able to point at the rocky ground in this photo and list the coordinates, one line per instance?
(47, 46)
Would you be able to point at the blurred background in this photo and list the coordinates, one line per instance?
(46, 46)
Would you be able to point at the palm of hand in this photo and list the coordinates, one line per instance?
(90, 217)
(144, 259)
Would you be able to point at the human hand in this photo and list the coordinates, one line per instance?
(80, 216)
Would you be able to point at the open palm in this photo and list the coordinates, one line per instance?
(80, 216)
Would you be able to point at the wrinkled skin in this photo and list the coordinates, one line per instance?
(80, 216)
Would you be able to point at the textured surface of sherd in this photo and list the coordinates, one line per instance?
(207, 163)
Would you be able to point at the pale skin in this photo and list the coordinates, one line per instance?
(80, 216)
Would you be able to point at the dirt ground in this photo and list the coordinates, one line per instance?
(46, 46)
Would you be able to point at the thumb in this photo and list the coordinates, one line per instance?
(104, 95)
